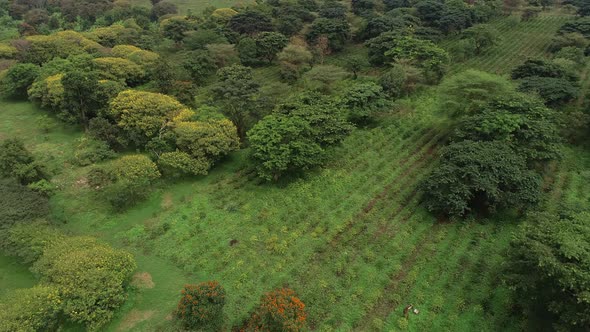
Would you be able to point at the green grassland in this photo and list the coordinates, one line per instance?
(351, 238)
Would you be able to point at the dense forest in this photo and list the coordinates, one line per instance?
(294, 165)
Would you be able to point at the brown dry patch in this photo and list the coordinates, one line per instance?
(142, 280)
(167, 201)
(81, 182)
(133, 318)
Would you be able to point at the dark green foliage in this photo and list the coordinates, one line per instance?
(163, 8)
(362, 7)
(250, 22)
(176, 28)
(235, 92)
(102, 129)
(554, 91)
(581, 26)
(201, 306)
(333, 10)
(521, 122)
(430, 11)
(20, 204)
(199, 65)
(377, 25)
(268, 44)
(17, 162)
(393, 4)
(81, 102)
(549, 267)
(337, 31)
(199, 39)
(18, 79)
(480, 177)
(289, 25)
(540, 68)
(248, 51)
(401, 80)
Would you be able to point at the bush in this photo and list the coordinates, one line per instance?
(279, 310)
(90, 276)
(178, 163)
(17, 162)
(15, 82)
(201, 306)
(29, 241)
(90, 151)
(20, 204)
(32, 309)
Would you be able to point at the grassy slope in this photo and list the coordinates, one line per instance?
(351, 238)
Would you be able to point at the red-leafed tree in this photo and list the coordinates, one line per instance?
(279, 310)
(201, 306)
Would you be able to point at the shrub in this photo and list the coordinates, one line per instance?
(135, 168)
(279, 310)
(32, 309)
(17, 79)
(178, 163)
(20, 204)
(90, 276)
(17, 162)
(91, 151)
(28, 241)
(201, 306)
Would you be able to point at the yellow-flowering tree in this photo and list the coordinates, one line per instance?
(61, 44)
(91, 278)
(119, 69)
(49, 92)
(212, 139)
(146, 59)
(144, 115)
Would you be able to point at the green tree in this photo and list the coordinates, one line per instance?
(80, 100)
(354, 64)
(201, 306)
(422, 53)
(17, 162)
(268, 44)
(549, 264)
(250, 22)
(209, 140)
(520, 121)
(363, 100)
(31, 309)
(470, 90)
(554, 91)
(401, 80)
(235, 93)
(337, 32)
(281, 145)
(248, 51)
(483, 36)
(175, 28)
(15, 82)
(91, 278)
(480, 177)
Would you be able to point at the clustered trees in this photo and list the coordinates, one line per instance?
(493, 156)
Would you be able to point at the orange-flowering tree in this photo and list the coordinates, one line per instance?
(280, 310)
(201, 306)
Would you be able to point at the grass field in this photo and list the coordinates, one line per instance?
(352, 238)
